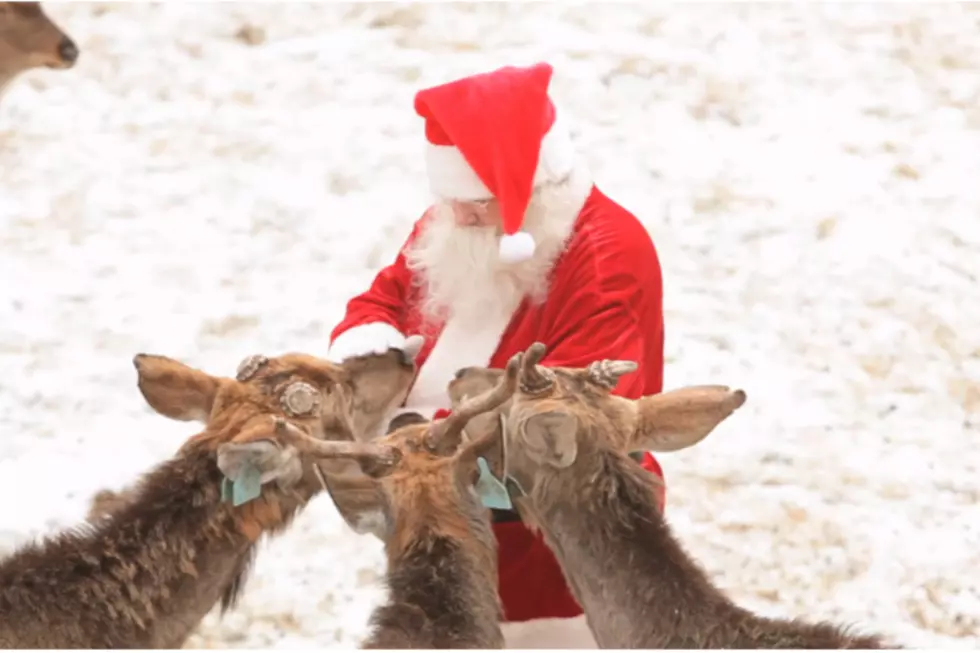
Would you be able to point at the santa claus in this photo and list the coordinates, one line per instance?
(519, 246)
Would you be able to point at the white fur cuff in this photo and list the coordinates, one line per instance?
(372, 338)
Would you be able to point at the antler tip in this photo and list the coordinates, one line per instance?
(536, 351)
(624, 366)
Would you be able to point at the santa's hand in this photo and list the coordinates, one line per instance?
(375, 338)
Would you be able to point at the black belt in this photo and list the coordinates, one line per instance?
(503, 516)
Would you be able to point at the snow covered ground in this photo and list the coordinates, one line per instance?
(214, 180)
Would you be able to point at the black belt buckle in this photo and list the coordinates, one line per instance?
(503, 516)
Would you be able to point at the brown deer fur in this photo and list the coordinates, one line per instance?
(566, 444)
(145, 574)
(418, 497)
(29, 39)
(106, 502)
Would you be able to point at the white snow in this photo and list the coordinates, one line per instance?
(809, 174)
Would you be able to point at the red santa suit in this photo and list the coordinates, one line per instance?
(497, 135)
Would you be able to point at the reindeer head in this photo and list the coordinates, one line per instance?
(558, 414)
(474, 381)
(378, 384)
(323, 399)
(421, 472)
(29, 39)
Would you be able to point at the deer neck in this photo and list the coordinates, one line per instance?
(157, 566)
(451, 579)
(634, 582)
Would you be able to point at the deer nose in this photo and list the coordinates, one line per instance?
(68, 51)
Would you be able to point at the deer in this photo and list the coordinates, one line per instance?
(30, 39)
(566, 440)
(373, 384)
(417, 494)
(182, 540)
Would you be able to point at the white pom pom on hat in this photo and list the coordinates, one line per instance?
(515, 248)
(496, 135)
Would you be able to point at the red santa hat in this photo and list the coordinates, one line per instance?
(496, 135)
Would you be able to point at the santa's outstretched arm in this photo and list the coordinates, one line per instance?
(373, 322)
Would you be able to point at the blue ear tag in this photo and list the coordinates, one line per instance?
(246, 485)
(226, 488)
(492, 492)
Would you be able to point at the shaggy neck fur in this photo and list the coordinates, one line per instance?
(442, 581)
(636, 584)
(459, 268)
(142, 578)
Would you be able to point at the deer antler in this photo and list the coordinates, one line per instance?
(606, 373)
(300, 398)
(447, 433)
(292, 435)
(535, 380)
(249, 366)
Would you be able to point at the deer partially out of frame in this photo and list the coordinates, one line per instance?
(418, 496)
(29, 39)
(566, 444)
(147, 573)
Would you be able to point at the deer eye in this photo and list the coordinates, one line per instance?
(248, 367)
(300, 398)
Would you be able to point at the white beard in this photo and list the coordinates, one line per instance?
(460, 269)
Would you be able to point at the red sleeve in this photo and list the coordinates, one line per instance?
(385, 300)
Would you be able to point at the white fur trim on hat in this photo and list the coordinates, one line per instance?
(557, 158)
(371, 338)
(451, 177)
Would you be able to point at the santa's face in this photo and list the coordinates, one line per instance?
(476, 213)
(457, 255)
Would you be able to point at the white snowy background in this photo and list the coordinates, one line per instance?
(215, 180)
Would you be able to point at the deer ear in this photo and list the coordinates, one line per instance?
(360, 502)
(176, 390)
(283, 465)
(550, 438)
(681, 418)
